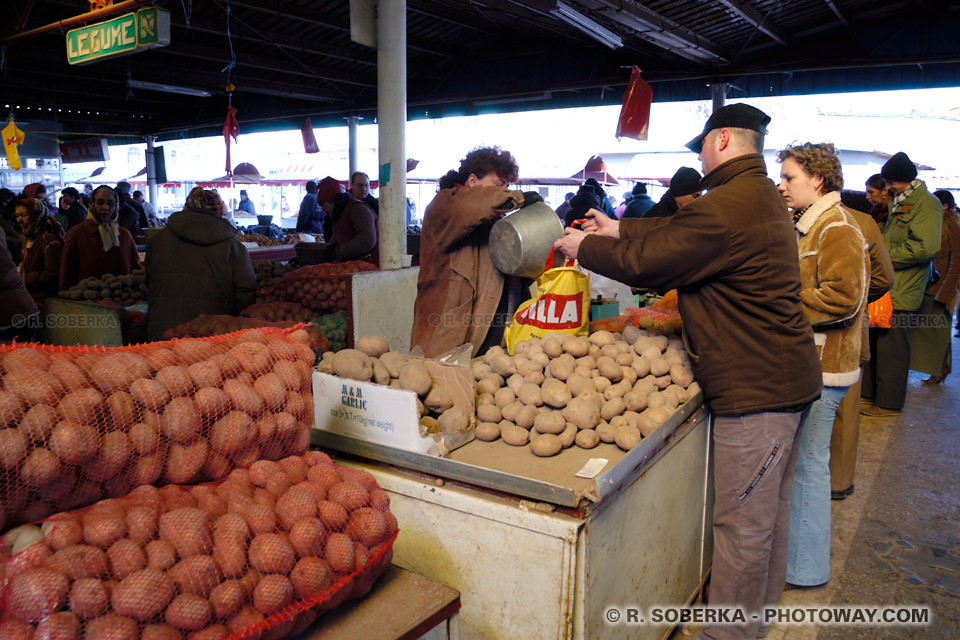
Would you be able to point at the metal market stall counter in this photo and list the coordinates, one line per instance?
(538, 553)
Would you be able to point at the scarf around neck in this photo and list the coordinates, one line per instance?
(902, 197)
(109, 231)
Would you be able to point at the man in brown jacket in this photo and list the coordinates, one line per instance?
(732, 256)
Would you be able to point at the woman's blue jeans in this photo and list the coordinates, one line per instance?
(808, 555)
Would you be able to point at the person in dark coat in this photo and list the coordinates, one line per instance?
(19, 315)
(585, 200)
(40, 268)
(197, 265)
(38, 191)
(70, 211)
(132, 216)
(684, 189)
(98, 245)
(310, 218)
(354, 229)
(360, 188)
(640, 203)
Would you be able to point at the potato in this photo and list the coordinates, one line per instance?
(491, 353)
(635, 401)
(528, 367)
(454, 420)
(38, 422)
(611, 408)
(568, 434)
(576, 346)
(233, 432)
(380, 373)
(310, 576)
(646, 386)
(189, 612)
(272, 593)
(184, 462)
(150, 393)
(616, 391)
(514, 382)
(196, 574)
(659, 415)
(126, 558)
(555, 393)
(546, 445)
(35, 593)
(161, 555)
(353, 364)
(549, 423)
(89, 598)
(536, 378)
(587, 439)
(553, 345)
(646, 424)
(188, 530)
(588, 362)
(503, 397)
(656, 400)
(529, 394)
(415, 377)
(13, 447)
(40, 468)
(113, 627)
(489, 413)
(609, 351)
(502, 364)
(641, 366)
(681, 375)
(631, 333)
(659, 367)
(693, 389)
(393, 362)
(626, 437)
(525, 417)
(227, 598)
(605, 432)
(582, 412)
(438, 400)
(489, 383)
(609, 369)
(514, 435)
(143, 595)
(488, 431)
(602, 338)
(562, 367)
(373, 346)
(600, 383)
(73, 443)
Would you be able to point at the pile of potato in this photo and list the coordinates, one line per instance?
(269, 272)
(564, 390)
(237, 557)
(263, 240)
(78, 425)
(127, 289)
(372, 361)
(279, 311)
(322, 288)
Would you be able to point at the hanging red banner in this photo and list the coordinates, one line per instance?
(635, 112)
(309, 140)
(230, 130)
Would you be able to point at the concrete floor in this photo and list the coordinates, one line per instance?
(896, 541)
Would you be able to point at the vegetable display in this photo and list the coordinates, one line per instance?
(269, 272)
(205, 325)
(126, 289)
(576, 390)
(78, 424)
(261, 553)
(322, 288)
(334, 327)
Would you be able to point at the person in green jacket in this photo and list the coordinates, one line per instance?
(912, 236)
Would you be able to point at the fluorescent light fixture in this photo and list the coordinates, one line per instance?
(593, 29)
(168, 88)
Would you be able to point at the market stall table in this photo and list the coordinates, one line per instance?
(401, 606)
(538, 553)
(279, 253)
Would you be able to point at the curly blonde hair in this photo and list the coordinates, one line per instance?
(817, 160)
(207, 199)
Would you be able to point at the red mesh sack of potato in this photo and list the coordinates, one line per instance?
(260, 554)
(279, 311)
(322, 288)
(206, 325)
(78, 424)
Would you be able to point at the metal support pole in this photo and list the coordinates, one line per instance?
(392, 120)
(151, 170)
(719, 93)
(352, 146)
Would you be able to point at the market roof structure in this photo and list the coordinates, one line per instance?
(291, 59)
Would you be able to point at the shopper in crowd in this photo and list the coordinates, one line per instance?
(330, 193)
(684, 189)
(38, 191)
(85, 196)
(912, 236)
(360, 189)
(310, 217)
(461, 297)
(877, 195)
(592, 185)
(40, 268)
(640, 203)
(98, 245)
(732, 255)
(834, 277)
(197, 265)
(930, 339)
(148, 208)
(354, 228)
(70, 211)
(246, 204)
(132, 215)
(7, 198)
(564, 208)
(846, 424)
(580, 204)
(19, 315)
(618, 211)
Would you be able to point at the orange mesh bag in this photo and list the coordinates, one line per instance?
(260, 554)
(660, 317)
(322, 288)
(207, 325)
(78, 424)
(279, 311)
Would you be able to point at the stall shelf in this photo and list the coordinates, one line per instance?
(540, 554)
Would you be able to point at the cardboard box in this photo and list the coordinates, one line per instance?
(389, 416)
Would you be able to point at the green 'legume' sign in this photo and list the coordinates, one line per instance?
(145, 29)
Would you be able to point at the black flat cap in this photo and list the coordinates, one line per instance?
(685, 181)
(899, 168)
(734, 116)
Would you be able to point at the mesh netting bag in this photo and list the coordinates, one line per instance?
(259, 554)
(322, 288)
(78, 424)
(207, 325)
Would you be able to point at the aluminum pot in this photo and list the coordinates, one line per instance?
(520, 242)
